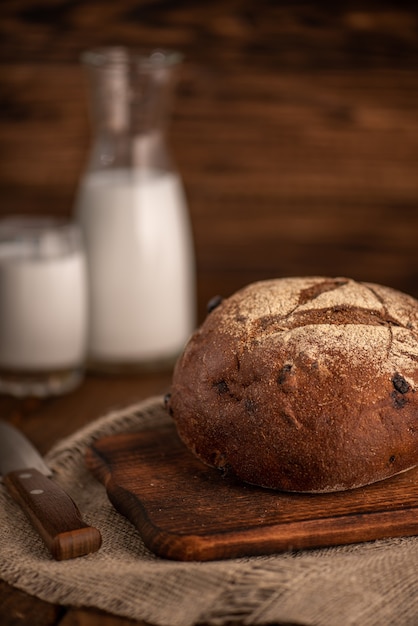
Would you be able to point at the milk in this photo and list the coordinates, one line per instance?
(43, 313)
(140, 264)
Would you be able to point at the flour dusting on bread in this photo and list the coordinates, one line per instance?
(303, 384)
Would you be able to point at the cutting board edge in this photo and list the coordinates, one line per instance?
(262, 540)
(254, 541)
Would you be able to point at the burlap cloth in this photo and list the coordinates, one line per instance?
(370, 584)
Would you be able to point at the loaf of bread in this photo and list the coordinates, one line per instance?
(303, 384)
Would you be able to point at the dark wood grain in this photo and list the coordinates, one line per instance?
(88, 617)
(53, 514)
(19, 609)
(185, 510)
(295, 128)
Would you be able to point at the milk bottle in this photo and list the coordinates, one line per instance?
(134, 216)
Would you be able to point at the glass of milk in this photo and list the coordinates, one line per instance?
(43, 306)
(133, 212)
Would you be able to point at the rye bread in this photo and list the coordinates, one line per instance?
(303, 384)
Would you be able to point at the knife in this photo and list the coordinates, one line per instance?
(50, 509)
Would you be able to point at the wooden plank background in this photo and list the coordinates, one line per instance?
(295, 127)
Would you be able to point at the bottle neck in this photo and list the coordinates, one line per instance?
(129, 93)
(146, 150)
(129, 106)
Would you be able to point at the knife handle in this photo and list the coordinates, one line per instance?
(53, 514)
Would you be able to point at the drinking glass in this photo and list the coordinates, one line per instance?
(43, 306)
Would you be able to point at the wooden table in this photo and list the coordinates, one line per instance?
(295, 129)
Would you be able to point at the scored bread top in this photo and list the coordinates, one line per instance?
(303, 384)
(381, 320)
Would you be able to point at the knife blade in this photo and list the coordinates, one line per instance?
(50, 509)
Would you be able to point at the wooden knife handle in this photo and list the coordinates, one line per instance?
(53, 514)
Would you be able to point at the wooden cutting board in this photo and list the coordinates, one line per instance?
(185, 510)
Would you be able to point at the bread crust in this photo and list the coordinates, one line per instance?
(303, 384)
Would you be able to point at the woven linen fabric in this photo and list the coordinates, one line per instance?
(372, 584)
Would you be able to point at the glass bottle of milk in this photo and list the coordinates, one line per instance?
(132, 209)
